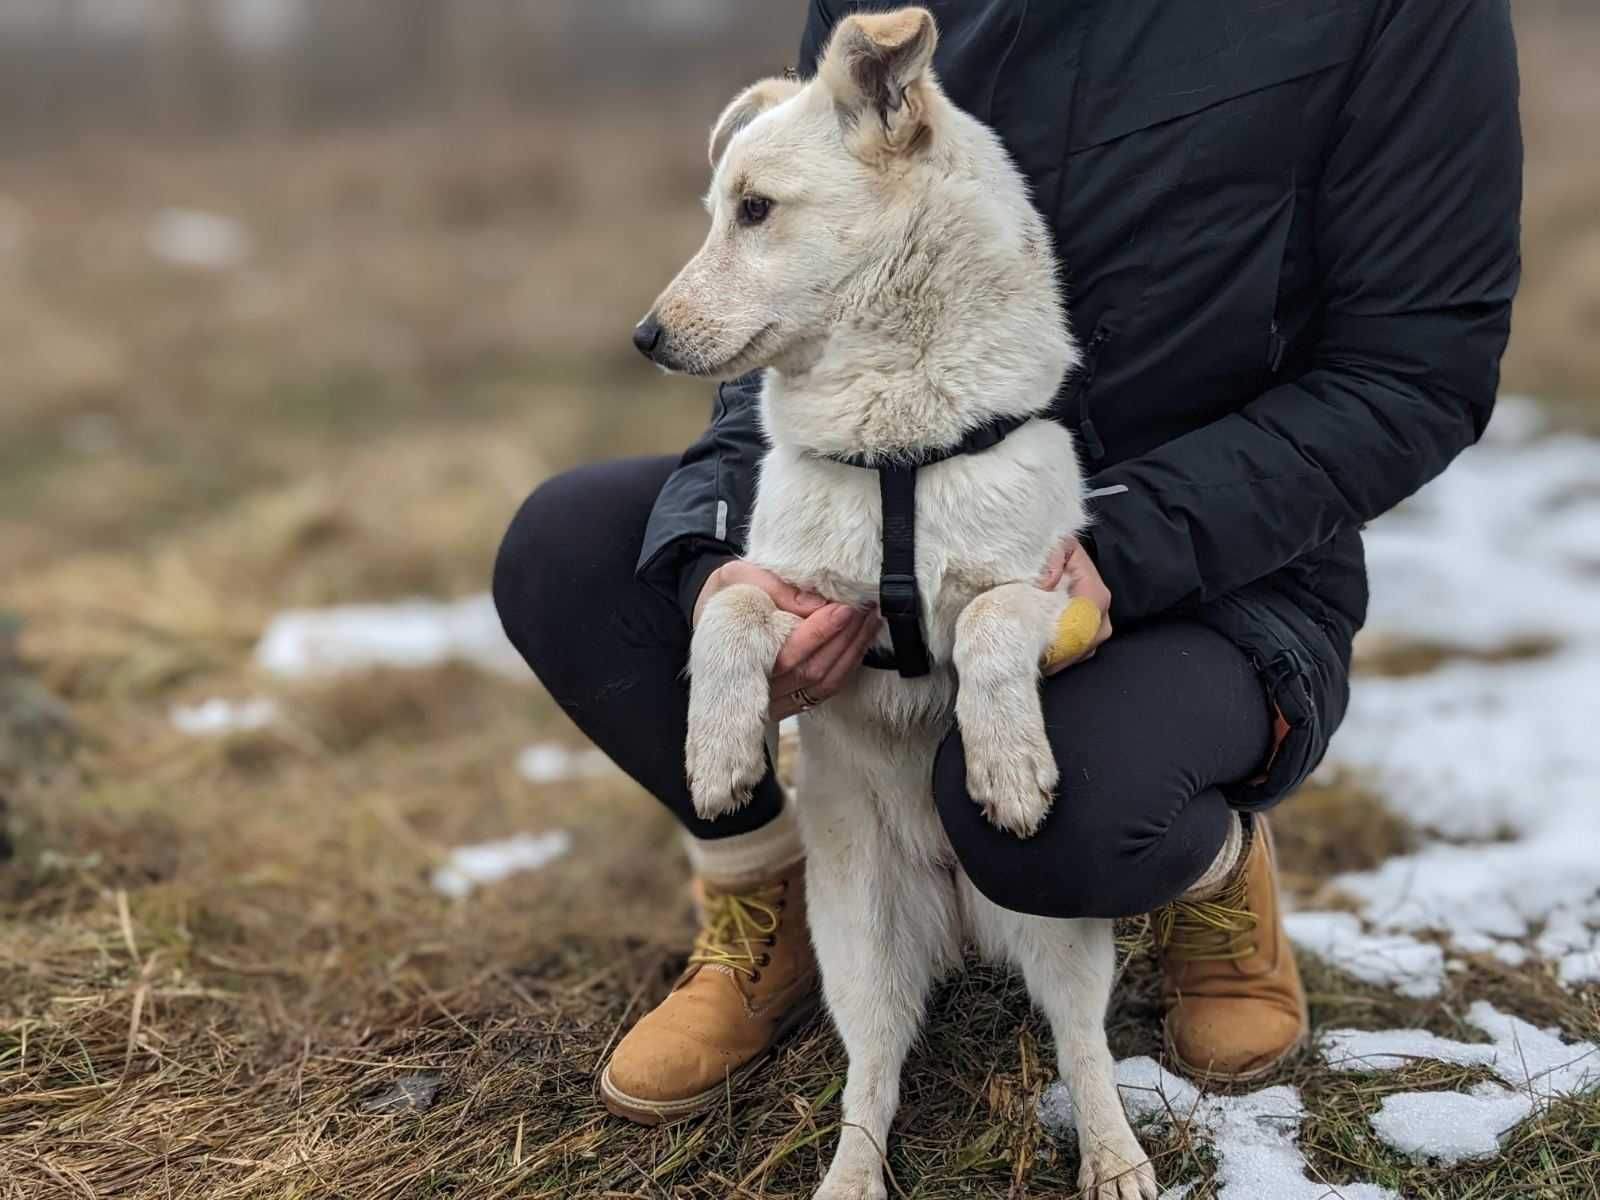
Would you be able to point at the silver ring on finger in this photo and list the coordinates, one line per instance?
(805, 699)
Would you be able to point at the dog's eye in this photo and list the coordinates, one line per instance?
(754, 209)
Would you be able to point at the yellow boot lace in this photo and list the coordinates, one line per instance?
(737, 927)
(1219, 929)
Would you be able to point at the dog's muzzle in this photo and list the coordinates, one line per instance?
(647, 336)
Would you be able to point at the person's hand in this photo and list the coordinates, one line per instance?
(1071, 562)
(823, 652)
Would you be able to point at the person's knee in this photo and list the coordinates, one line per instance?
(1095, 855)
(532, 551)
(1066, 870)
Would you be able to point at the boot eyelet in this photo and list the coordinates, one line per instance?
(755, 977)
(764, 960)
(772, 941)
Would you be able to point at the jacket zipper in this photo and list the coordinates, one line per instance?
(1277, 347)
(1090, 436)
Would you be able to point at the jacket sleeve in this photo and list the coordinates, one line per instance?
(1417, 240)
(700, 516)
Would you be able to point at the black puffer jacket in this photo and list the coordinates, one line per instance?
(1290, 233)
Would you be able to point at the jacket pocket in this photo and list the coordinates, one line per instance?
(1299, 733)
(1296, 732)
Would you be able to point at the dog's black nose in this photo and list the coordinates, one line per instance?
(647, 335)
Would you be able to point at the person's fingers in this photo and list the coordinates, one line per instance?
(846, 654)
(826, 661)
(791, 599)
(811, 635)
(785, 595)
(849, 662)
(1083, 577)
(783, 707)
(809, 672)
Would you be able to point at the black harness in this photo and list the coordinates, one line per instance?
(898, 598)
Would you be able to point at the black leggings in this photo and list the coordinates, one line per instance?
(1144, 733)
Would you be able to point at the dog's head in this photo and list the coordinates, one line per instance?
(807, 180)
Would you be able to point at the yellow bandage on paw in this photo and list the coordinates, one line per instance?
(1075, 630)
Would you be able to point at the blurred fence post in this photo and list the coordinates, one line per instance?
(188, 68)
(268, 91)
(481, 35)
(58, 98)
(190, 81)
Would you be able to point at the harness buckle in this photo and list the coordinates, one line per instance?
(897, 596)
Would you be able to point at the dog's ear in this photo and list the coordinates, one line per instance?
(877, 66)
(746, 107)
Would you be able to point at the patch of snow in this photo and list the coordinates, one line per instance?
(187, 237)
(1450, 1127)
(1569, 928)
(1511, 954)
(551, 762)
(1526, 1057)
(215, 717)
(489, 862)
(413, 633)
(1470, 941)
(1517, 419)
(408, 1093)
(1535, 1065)
(1252, 1136)
(1496, 547)
(1411, 967)
(1581, 966)
(1498, 758)
(1476, 751)
(1571, 937)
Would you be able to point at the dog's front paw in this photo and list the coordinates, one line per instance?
(723, 767)
(1012, 777)
(1116, 1169)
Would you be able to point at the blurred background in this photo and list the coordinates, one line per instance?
(298, 299)
(240, 238)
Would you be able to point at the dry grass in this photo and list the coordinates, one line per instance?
(1387, 656)
(1335, 825)
(217, 954)
(201, 1000)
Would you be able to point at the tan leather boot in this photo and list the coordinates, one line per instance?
(1235, 1006)
(750, 980)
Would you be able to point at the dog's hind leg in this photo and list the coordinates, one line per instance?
(1069, 967)
(884, 926)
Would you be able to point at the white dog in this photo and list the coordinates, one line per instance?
(874, 248)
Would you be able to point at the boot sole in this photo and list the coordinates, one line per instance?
(642, 1111)
(1232, 1077)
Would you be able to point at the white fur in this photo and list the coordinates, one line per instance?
(901, 293)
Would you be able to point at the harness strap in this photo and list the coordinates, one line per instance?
(899, 599)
